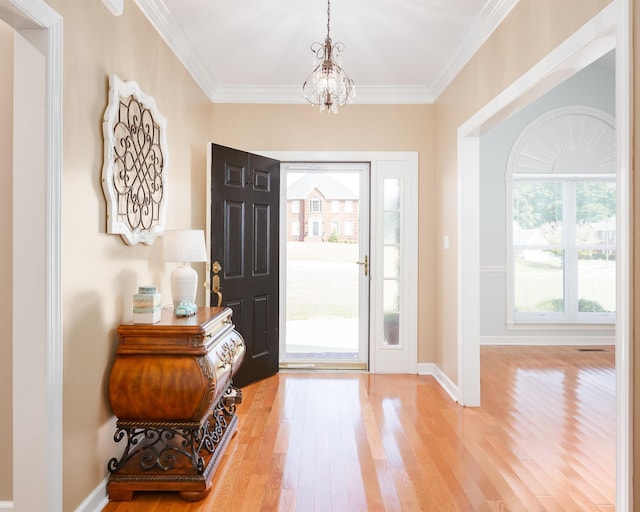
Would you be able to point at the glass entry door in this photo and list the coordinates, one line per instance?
(326, 265)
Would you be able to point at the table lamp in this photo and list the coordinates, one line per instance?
(184, 246)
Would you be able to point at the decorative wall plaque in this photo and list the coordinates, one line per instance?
(134, 174)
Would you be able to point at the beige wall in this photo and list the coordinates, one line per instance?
(636, 248)
(6, 261)
(531, 31)
(101, 273)
(354, 128)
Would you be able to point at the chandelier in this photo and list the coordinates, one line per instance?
(328, 85)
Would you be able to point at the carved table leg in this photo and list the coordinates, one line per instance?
(195, 495)
(120, 495)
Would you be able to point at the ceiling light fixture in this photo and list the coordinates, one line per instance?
(328, 85)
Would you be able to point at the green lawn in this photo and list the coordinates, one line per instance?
(322, 280)
(538, 283)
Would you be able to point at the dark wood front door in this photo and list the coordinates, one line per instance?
(245, 192)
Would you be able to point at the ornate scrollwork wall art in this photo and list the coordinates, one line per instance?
(134, 174)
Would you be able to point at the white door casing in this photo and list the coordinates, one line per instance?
(37, 310)
(383, 164)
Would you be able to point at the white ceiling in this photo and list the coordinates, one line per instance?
(248, 51)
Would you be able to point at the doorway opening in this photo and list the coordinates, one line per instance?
(606, 31)
(327, 265)
(36, 302)
(393, 257)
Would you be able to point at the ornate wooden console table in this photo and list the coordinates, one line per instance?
(171, 390)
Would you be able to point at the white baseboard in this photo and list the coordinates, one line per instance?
(445, 382)
(548, 340)
(426, 368)
(6, 505)
(97, 500)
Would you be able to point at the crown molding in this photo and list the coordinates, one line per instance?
(292, 94)
(116, 7)
(393, 94)
(487, 21)
(166, 25)
(279, 94)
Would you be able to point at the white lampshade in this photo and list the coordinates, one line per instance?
(185, 246)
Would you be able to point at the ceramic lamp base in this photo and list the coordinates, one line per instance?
(184, 283)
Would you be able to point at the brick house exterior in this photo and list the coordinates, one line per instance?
(320, 209)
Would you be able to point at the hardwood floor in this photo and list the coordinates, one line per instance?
(543, 439)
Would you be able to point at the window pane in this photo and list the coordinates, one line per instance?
(391, 228)
(595, 213)
(595, 201)
(391, 262)
(539, 278)
(392, 195)
(537, 212)
(391, 302)
(391, 312)
(391, 329)
(597, 282)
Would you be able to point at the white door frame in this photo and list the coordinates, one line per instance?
(606, 31)
(382, 162)
(37, 294)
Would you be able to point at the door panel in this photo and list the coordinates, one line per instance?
(261, 240)
(244, 239)
(234, 246)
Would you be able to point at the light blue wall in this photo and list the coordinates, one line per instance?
(594, 87)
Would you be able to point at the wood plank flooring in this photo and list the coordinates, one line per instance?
(543, 440)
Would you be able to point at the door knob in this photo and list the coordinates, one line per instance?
(216, 288)
(366, 264)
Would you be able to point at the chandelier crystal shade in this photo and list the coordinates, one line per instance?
(328, 86)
